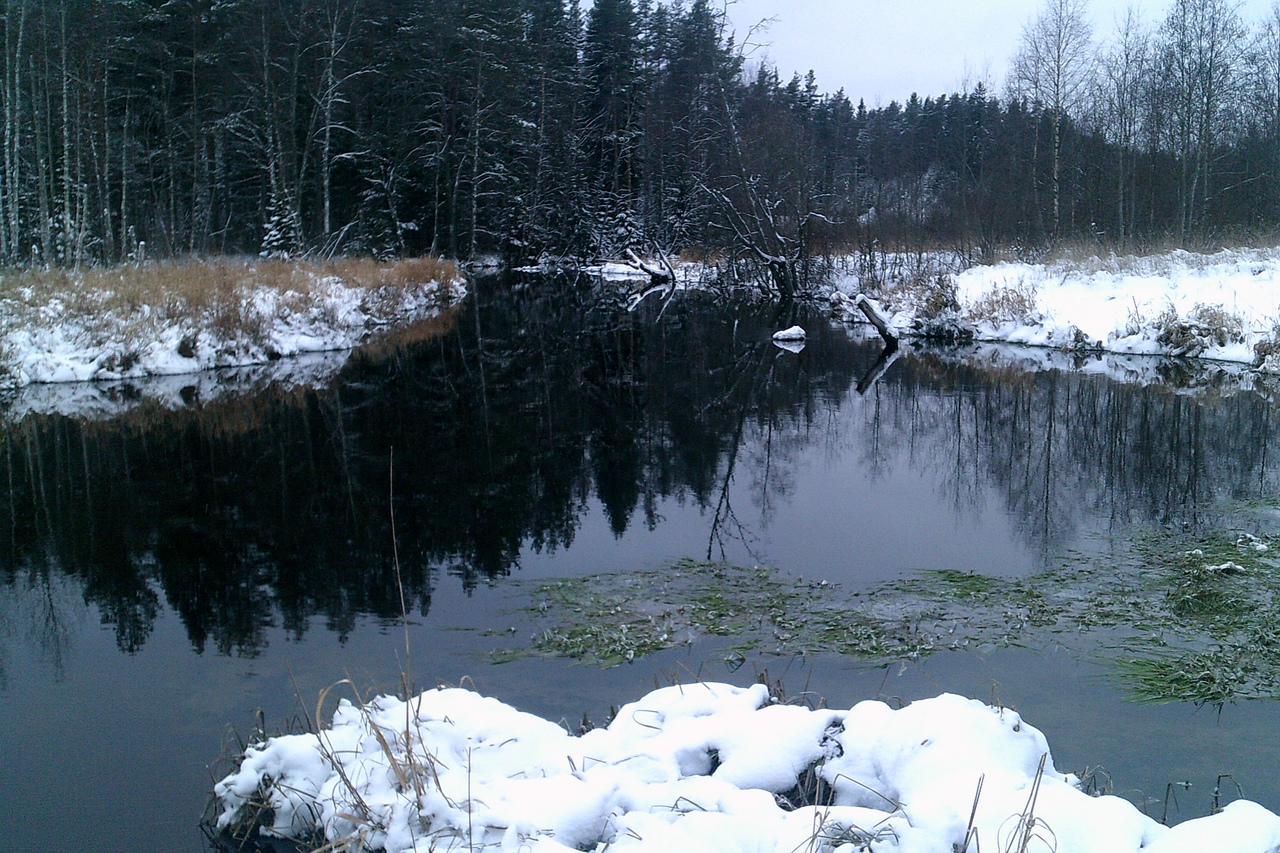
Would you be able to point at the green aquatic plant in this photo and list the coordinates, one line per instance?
(610, 619)
(1179, 618)
(1209, 677)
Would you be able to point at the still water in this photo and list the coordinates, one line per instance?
(167, 573)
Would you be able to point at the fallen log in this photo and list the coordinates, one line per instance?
(657, 276)
(876, 315)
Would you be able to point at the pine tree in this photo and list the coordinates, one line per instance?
(612, 121)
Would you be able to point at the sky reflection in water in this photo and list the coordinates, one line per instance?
(167, 572)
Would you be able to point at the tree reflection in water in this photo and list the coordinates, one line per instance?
(543, 396)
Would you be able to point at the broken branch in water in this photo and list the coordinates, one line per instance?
(876, 315)
(655, 274)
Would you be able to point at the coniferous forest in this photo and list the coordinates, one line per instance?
(534, 128)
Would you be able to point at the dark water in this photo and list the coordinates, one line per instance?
(167, 573)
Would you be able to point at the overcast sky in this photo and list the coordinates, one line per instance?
(883, 50)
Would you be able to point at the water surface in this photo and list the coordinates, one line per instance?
(167, 572)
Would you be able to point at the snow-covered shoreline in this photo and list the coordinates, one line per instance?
(702, 766)
(50, 340)
(1223, 306)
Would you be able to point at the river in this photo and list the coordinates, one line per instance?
(174, 575)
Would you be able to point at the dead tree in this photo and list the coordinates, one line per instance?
(874, 314)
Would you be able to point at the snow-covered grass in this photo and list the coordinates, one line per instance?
(178, 318)
(694, 768)
(1223, 306)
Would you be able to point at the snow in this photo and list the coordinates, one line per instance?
(698, 767)
(793, 333)
(688, 274)
(1122, 304)
(52, 343)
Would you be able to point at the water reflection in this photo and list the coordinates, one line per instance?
(1066, 450)
(545, 399)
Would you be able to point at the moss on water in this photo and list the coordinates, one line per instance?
(1179, 618)
(613, 618)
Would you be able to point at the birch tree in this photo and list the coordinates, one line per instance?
(1201, 45)
(1265, 74)
(1052, 70)
(1122, 82)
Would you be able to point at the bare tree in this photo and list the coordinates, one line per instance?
(1200, 51)
(1264, 71)
(1122, 81)
(1052, 70)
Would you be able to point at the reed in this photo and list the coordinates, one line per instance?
(212, 288)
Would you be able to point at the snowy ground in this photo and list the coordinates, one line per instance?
(688, 274)
(695, 768)
(52, 341)
(1223, 306)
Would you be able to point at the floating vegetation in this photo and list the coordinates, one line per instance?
(1180, 619)
(1213, 677)
(610, 619)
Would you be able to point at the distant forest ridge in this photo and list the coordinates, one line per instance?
(529, 128)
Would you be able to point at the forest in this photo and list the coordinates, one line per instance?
(536, 129)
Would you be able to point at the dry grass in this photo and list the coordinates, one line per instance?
(233, 300)
(370, 273)
(701, 255)
(207, 286)
(1084, 252)
(1014, 303)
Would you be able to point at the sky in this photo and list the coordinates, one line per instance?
(883, 50)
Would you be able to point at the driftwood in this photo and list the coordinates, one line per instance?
(876, 315)
(657, 276)
(660, 281)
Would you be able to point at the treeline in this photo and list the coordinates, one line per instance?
(533, 127)
(382, 126)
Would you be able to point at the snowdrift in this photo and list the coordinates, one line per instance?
(697, 767)
(1223, 306)
(62, 343)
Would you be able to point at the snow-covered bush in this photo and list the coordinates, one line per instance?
(1204, 327)
(694, 768)
(1266, 351)
(946, 327)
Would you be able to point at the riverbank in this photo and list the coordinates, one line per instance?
(701, 766)
(1222, 306)
(185, 317)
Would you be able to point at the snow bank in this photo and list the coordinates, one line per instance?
(699, 767)
(1218, 306)
(60, 344)
(688, 274)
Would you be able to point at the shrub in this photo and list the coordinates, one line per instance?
(1003, 304)
(1206, 326)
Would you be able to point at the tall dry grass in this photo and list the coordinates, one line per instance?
(215, 290)
(206, 283)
